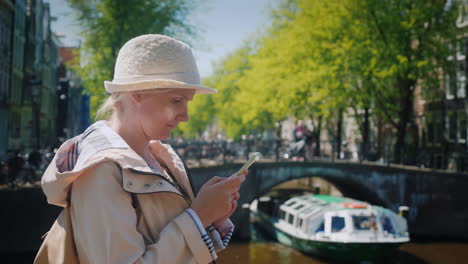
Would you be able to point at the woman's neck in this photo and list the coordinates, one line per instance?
(134, 137)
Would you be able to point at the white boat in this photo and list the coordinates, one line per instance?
(330, 226)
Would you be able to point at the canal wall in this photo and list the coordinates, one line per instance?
(25, 216)
(437, 200)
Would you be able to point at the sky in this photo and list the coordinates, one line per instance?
(223, 26)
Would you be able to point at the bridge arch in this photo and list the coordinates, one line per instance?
(430, 194)
(347, 185)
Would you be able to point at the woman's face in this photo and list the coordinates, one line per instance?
(160, 112)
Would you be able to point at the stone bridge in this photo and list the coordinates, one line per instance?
(438, 200)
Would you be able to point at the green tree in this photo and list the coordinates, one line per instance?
(361, 54)
(321, 58)
(202, 112)
(408, 43)
(108, 24)
(229, 102)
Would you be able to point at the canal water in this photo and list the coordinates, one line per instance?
(264, 250)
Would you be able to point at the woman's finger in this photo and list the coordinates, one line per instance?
(233, 208)
(215, 180)
(232, 182)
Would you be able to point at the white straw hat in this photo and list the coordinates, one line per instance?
(155, 61)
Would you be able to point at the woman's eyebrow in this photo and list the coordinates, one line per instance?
(185, 97)
(182, 95)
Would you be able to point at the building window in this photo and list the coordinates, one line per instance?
(461, 78)
(452, 122)
(438, 161)
(430, 127)
(450, 85)
(2, 90)
(463, 125)
(15, 125)
(438, 122)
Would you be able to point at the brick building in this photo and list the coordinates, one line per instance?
(446, 131)
(6, 25)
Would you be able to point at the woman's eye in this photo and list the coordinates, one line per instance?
(177, 101)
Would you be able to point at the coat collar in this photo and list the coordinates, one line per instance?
(99, 143)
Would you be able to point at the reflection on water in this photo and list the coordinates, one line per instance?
(443, 253)
(263, 250)
(275, 253)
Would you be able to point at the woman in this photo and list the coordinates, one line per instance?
(128, 194)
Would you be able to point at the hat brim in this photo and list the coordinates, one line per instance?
(112, 87)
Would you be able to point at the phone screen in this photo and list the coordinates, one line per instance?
(246, 165)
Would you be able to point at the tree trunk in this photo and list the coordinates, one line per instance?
(317, 131)
(365, 135)
(278, 141)
(380, 138)
(338, 133)
(405, 115)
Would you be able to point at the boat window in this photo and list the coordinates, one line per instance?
(308, 210)
(338, 223)
(387, 225)
(299, 207)
(321, 227)
(290, 218)
(290, 203)
(300, 223)
(361, 222)
(305, 208)
(281, 214)
(311, 211)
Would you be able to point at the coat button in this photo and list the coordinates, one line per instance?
(129, 184)
(147, 185)
(160, 183)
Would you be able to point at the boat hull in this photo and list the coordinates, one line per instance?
(334, 250)
(337, 250)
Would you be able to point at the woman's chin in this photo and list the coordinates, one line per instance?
(165, 136)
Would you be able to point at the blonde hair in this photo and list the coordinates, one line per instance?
(107, 109)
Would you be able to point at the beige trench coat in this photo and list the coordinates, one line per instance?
(107, 228)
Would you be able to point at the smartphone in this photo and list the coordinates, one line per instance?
(246, 165)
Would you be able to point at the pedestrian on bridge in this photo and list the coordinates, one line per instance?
(127, 196)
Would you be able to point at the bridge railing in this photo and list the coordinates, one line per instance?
(223, 151)
(228, 151)
(216, 152)
(197, 153)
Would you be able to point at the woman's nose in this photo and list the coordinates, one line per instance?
(183, 117)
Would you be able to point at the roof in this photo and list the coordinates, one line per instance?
(67, 53)
(330, 199)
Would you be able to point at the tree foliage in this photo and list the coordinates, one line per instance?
(320, 58)
(108, 24)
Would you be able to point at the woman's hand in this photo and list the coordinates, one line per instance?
(217, 199)
(233, 208)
